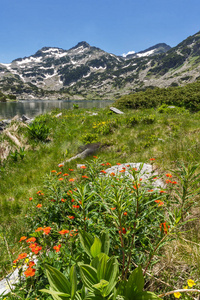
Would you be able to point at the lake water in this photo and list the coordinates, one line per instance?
(32, 108)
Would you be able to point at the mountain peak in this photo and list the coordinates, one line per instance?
(83, 44)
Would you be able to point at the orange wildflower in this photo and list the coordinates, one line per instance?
(31, 240)
(38, 192)
(125, 213)
(57, 248)
(46, 230)
(39, 229)
(123, 230)
(30, 199)
(103, 171)
(113, 208)
(168, 181)
(23, 238)
(84, 176)
(22, 256)
(122, 171)
(64, 231)
(31, 246)
(174, 182)
(160, 203)
(168, 175)
(152, 159)
(150, 191)
(164, 227)
(53, 171)
(65, 174)
(118, 164)
(29, 272)
(95, 156)
(31, 263)
(71, 170)
(60, 179)
(112, 174)
(63, 200)
(71, 179)
(83, 167)
(162, 192)
(61, 165)
(71, 217)
(108, 164)
(103, 165)
(36, 249)
(75, 206)
(39, 205)
(59, 173)
(15, 261)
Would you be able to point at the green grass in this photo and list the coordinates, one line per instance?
(169, 138)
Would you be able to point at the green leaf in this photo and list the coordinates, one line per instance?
(135, 282)
(54, 293)
(96, 247)
(92, 296)
(99, 286)
(101, 269)
(95, 262)
(73, 281)
(88, 276)
(122, 288)
(146, 296)
(86, 240)
(58, 282)
(111, 274)
(105, 240)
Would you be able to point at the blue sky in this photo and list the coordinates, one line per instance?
(116, 26)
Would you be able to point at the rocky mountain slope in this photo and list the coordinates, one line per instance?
(86, 72)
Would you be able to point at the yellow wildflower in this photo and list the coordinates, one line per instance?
(185, 287)
(177, 295)
(190, 282)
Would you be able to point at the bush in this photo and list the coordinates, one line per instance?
(166, 109)
(89, 138)
(132, 121)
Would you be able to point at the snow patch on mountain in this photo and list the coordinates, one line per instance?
(145, 53)
(130, 52)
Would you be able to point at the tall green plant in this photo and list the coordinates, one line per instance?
(38, 131)
(99, 279)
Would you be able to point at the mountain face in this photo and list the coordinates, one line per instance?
(157, 49)
(86, 72)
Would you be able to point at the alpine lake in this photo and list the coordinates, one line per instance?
(32, 108)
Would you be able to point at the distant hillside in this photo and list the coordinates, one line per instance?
(187, 96)
(87, 72)
(5, 97)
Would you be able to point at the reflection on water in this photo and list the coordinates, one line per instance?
(33, 108)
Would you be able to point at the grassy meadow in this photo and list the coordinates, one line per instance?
(170, 135)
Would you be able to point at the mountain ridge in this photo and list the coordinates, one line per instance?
(88, 72)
